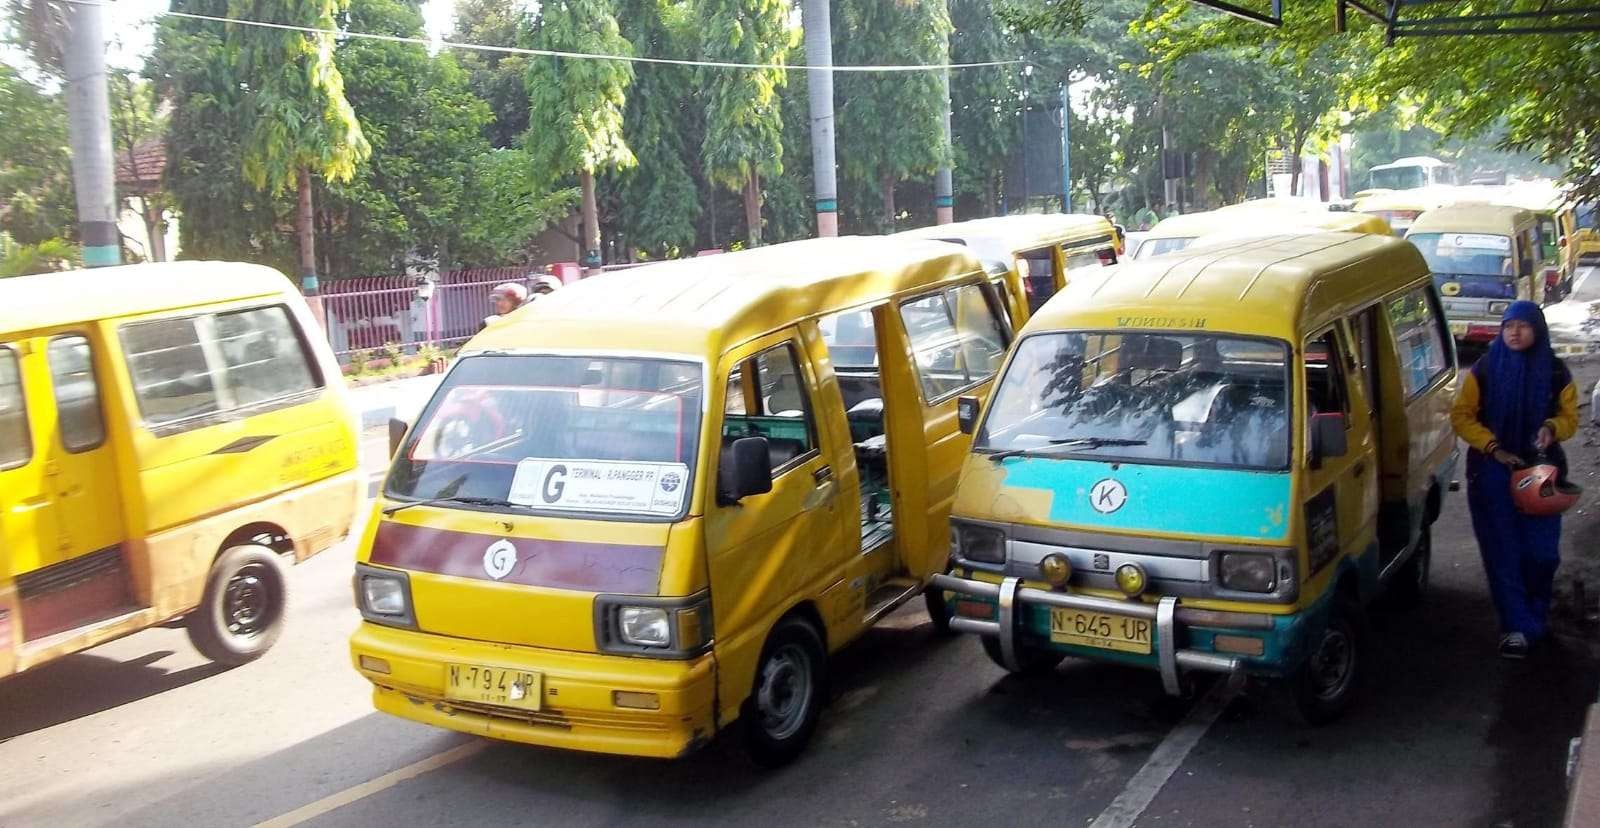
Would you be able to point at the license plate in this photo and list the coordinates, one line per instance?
(1100, 629)
(493, 685)
(1458, 328)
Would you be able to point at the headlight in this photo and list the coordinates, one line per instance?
(1498, 308)
(384, 596)
(981, 544)
(644, 626)
(1249, 572)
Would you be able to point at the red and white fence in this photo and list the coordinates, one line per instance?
(369, 313)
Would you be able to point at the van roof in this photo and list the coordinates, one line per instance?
(1417, 198)
(1414, 161)
(699, 307)
(1022, 232)
(1269, 216)
(1262, 287)
(52, 299)
(1472, 218)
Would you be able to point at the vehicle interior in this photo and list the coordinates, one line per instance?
(853, 343)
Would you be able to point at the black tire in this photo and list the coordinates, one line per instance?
(788, 693)
(1410, 587)
(1033, 661)
(938, 611)
(242, 611)
(1329, 680)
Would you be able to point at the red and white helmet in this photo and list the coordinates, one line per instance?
(546, 284)
(1536, 491)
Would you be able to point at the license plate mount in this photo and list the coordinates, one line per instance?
(501, 686)
(1100, 630)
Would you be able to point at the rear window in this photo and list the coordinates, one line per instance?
(600, 435)
(16, 444)
(1160, 247)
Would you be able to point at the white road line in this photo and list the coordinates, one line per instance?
(365, 789)
(1141, 790)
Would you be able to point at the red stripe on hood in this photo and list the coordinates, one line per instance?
(591, 567)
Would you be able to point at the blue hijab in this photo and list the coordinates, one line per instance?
(1516, 398)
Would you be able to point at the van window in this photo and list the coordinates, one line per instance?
(1039, 279)
(199, 365)
(956, 338)
(77, 394)
(1325, 382)
(772, 381)
(16, 443)
(1420, 338)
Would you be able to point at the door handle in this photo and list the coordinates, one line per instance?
(822, 475)
(1361, 468)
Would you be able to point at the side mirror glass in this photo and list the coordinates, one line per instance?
(1328, 438)
(397, 435)
(744, 469)
(967, 414)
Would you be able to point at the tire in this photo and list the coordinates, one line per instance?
(1033, 661)
(242, 610)
(1410, 587)
(788, 693)
(938, 611)
(1324, 686)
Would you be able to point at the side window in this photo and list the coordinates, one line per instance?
(1005, 304)
(81, 424)
(767, 397)
(172, 377)
(16, 443)
(264, 356)
(1325, 381)
(1039, 281)
(956, 339)
(1420, 339)
(1364, 327)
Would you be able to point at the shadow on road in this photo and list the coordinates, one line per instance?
(81, 685)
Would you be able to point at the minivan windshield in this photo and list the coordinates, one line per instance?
(1399, 178)
(1203, 399)
(1479, 264)
(599, 435)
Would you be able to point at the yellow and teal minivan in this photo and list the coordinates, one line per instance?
(1212, 462)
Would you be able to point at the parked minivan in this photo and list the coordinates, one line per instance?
(1214, 462)
(647, 506)
(1043, 251)
(171, 437)
(1483, 258)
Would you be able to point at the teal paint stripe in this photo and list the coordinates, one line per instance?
(827, 205)
(944, 201)
(102, 256)
(1210, 502)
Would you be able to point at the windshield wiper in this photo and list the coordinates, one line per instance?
(467, 499)
(1068, 443)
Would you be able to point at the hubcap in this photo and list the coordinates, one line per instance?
(784, 694)
(250, 601)
(1333, 663)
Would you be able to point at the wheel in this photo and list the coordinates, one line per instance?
(1033, 661)
(788, 693)
(1328, 680)
(1410, 587)
(241, 613)
(938, 610)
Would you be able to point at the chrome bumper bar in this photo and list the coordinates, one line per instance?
(1011, 595)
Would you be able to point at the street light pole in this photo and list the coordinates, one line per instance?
(89, 133)
(817, 27)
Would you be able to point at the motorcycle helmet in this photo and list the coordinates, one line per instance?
(1536, 491)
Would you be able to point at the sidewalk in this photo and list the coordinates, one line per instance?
(402, 398)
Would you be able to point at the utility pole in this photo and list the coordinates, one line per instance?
(818, 28)
(944, 202)
(83, 60)
(1066, 147)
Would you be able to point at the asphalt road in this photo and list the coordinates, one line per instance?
(142, 731)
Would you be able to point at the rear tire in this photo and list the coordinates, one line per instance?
(938, 610)
(781, 713)
(1032, 660)
(1324, 686)
(1410, 587)
(241, 612)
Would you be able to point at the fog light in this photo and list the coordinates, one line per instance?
(376, 665)
(1056, 569)
(1131, 580)
(635, 700)
(1240, 644)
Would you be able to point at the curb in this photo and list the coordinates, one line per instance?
(1583, 774)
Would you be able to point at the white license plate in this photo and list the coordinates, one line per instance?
(493, 685)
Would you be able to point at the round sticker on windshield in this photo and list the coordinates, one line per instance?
(1108, 496)
(670, 481)
(499, 559)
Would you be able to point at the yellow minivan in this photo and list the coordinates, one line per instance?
(1483, 257)
(646, 506)
(1212, 463)
(1042, 250)
(1252, 219)
(171, 435)
(1402, 207)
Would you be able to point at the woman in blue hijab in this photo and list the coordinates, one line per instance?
(1517, 402)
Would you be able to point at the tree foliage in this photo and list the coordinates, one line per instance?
(983, 101)
(659, 199)
(36, 198)
(744, 121)
(496, 77)
(575, 106)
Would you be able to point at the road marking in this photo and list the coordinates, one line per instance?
(365, 789)
(1164, 761)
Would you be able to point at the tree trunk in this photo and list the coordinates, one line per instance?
(155, 227)
(591, 223)
(752, 209)
(306, 232)
(1205, 171)
(1294, 163)
(887, 188)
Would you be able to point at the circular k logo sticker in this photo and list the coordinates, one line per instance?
(1107, 496)
(499, 559)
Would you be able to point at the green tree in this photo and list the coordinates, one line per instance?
(299, 123)
(575, 105)
(1093, 157)
(36, 198)
(744, 119)
(659, 199)
(496, 77)
(893, 122)
(137, 122)
(983, 101)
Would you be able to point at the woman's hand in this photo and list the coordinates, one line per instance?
(1545, 439)
(1507, 459)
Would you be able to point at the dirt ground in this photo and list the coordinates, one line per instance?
(1577, 607)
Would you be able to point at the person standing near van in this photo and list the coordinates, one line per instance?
(1518, 402)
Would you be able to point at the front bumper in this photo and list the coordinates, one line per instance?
(578, 709)
(1017, 602)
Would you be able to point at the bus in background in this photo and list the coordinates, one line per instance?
(1413, 173)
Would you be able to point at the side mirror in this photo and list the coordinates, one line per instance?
(967, 414)
(745, 469)
(397, 435)
(1328, 438)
